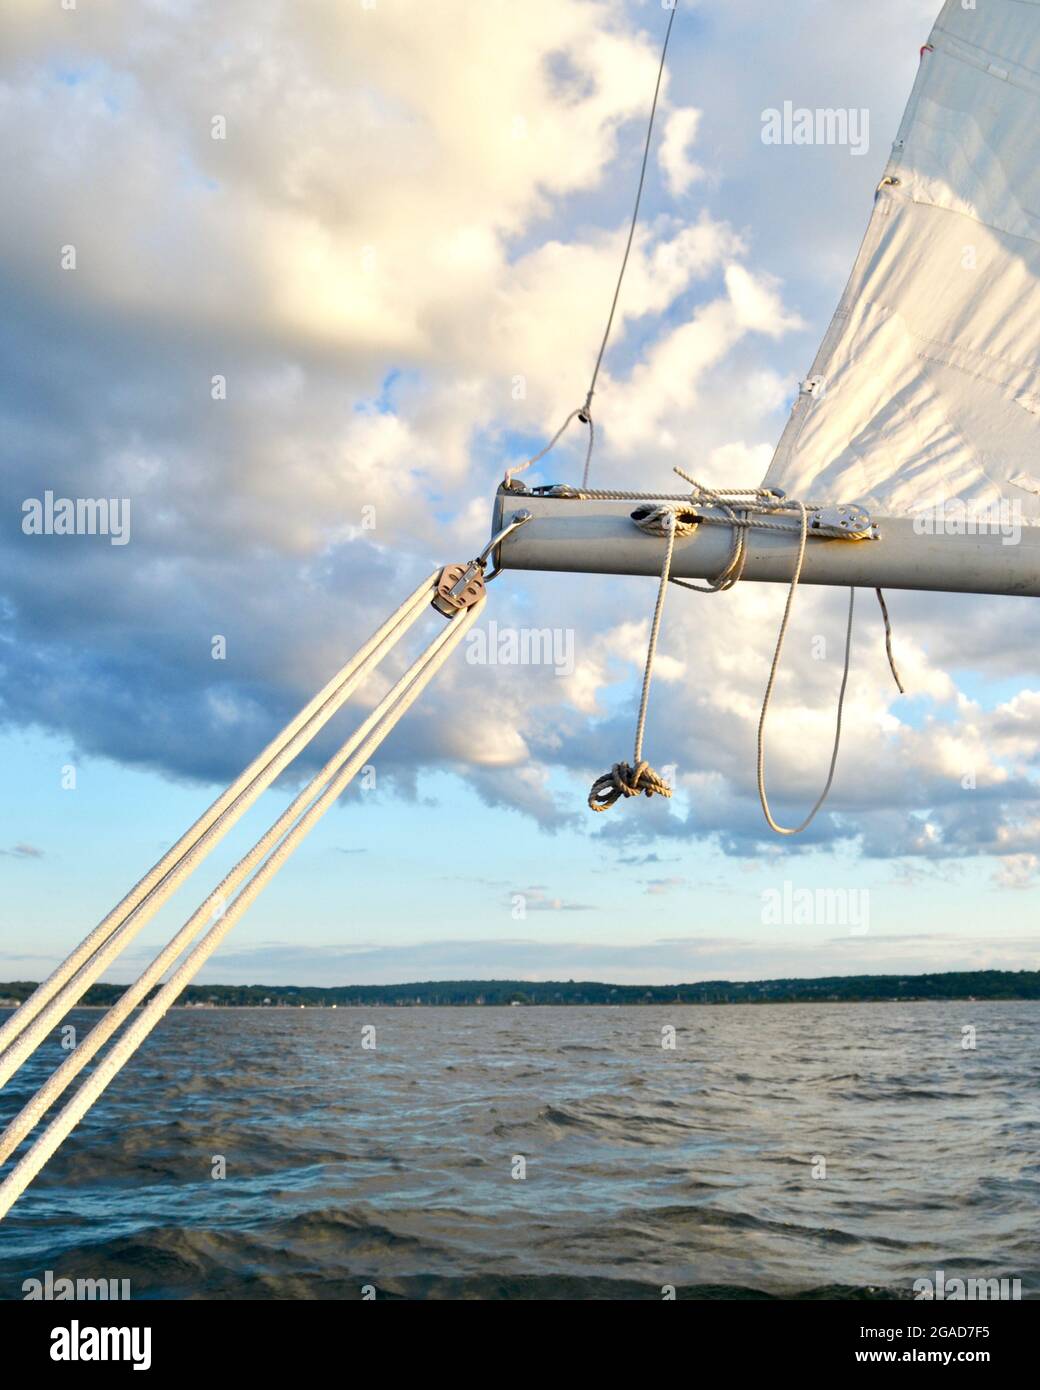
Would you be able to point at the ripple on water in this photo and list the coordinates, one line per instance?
(778, 1151)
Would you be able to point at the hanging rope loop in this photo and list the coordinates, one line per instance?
(757, 508)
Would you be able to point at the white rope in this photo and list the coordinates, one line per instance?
(586, 416)
(147, 885)
(888, 641)
(380, 723)
(74, 977)
(623, 780)
(744, 509)
(774, 667)
(658, 518)
(600, 494)
(584, 412)
(678, 517)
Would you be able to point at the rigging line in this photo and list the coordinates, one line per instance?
(635, 211)
(29, 1025)
(728, 579)
(584, 412)
(651, 651)
(109, 1067)
(797, 829)
(57, 1082)
(888, 642)
(623, 780)
(122, 933)
(665, 520)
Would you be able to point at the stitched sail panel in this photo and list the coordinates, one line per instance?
(927, 385)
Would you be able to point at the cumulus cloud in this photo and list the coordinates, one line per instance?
(1017, 870)
(680, 132)
(398, 258)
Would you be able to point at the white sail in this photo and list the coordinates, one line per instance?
(926, 387)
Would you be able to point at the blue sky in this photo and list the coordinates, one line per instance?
(410, 211)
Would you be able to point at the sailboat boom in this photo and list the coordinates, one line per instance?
(577, 535)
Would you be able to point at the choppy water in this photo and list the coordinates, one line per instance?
(645, 1166)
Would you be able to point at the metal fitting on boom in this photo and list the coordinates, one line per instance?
(462, 586)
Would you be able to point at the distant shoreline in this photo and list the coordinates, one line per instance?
(980, 986)
(649, 1004)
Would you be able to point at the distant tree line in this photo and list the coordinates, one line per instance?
(964, 984)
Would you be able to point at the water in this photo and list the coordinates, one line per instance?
(645, 1167)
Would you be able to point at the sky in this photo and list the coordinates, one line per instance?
(300, 281)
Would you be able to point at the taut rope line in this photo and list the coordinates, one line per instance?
(26, 1120)
(152, 890)
(584, 412)
(334, 778)
(27, 1028)
(458, 593)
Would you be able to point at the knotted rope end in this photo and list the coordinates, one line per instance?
(623, 781)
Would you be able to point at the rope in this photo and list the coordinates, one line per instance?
(751, 508)
(624, 780)
(224, 803)
(337, 774)
(30, 1116)
(592, 494)
(586, 418)
(773, 669)
(51, 1001)
(635, 212)
(888, 642)
(730, 576)
(668, 519)
(584, 412)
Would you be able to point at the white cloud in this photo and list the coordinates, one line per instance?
(656, 960)
(1017, 870)
(374, 163)
(417, 208)
(680, 133)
